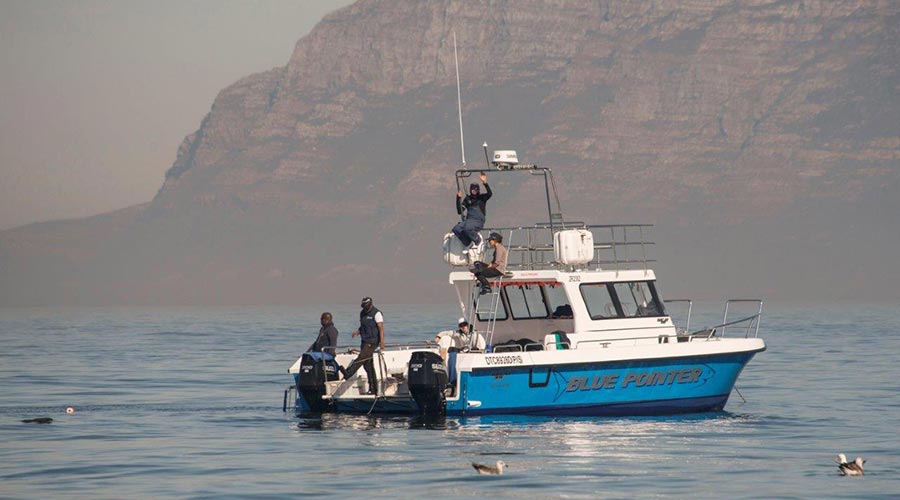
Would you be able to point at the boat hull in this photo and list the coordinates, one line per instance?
(625, 387)
(618, 388)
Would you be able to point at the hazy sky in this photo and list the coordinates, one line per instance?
(96, 96)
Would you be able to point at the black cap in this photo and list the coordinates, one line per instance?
(496, 237)
(366, 302)
(474, 186)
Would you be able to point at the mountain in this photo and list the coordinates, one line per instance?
(761, 136)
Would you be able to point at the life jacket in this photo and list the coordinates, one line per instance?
(368, 328)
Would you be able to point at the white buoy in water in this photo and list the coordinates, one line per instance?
(70, 410)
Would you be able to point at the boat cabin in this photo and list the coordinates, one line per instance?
(587, 306)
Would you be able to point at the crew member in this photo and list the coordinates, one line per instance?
(497, 266)
(371, 333)
(328, 334)
(462, 338)
(475, 212)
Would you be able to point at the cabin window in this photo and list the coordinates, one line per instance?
(637, 299)
(484, 315)
(559, 303)
(599, 301)
(526, 301)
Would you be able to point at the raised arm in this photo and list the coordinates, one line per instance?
(459, 197)
(487, 188)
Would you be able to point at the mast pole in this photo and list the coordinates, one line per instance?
(462, 141)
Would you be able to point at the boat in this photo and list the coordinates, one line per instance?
(576, 326)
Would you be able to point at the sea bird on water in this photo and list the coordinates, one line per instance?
(854, 468)
(487, 469)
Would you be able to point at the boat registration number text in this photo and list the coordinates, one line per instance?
(503, 360)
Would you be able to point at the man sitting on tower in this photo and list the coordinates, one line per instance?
(497, 266)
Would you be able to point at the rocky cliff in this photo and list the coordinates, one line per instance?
(764, 135)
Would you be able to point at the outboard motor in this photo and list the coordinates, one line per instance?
(427, 381)
(315, 369)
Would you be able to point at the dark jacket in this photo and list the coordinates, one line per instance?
(368, 327)
(474, 205)
(326, 340)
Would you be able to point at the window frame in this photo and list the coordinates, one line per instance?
(653, 295)
(543, 301)
(612, 296)
(501, 307)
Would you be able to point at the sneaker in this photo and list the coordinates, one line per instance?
(485, 290)
(372, 392)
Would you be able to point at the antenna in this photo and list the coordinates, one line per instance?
(486, 157)
(462, 140)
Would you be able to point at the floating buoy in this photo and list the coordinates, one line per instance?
(70, 410)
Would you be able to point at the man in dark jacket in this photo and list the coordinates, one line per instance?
(328, 334)
(475, 212)
(371, 333)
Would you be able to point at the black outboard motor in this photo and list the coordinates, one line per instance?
(315, 369)
(427, 381)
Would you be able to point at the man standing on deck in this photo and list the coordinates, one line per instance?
(497, 266)
(371, 333)
(476, 212)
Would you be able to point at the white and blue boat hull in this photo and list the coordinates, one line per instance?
(628, 387)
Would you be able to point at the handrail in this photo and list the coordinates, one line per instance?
(612, 242)
(750, 325)
(690, 303)
(751, 321)
(387, 347)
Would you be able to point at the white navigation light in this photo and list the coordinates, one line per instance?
(505, 159)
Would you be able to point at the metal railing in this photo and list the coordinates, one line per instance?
(752, 322)
(616, 246)
(748, 324)
(690, 307)
(353, 349)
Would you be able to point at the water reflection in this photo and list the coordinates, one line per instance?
(343, 421)
(567, 426)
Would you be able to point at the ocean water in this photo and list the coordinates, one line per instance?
(186, 403)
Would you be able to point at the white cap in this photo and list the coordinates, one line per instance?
(461, 321)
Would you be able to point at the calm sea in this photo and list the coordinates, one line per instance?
(187, 403)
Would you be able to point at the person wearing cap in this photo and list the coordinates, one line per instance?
(459, 339)
(497, 266)
(475, 212)
(462, 338)
(328, 334)
(371, 334)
